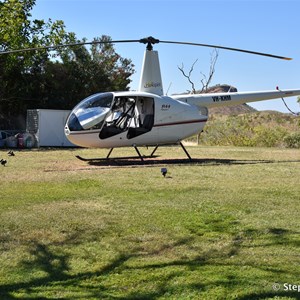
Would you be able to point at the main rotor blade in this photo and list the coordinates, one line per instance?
(149, 40)
(226, 48)
(53, 47)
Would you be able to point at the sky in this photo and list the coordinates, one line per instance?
(270, 26)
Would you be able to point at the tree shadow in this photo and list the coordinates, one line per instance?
(55, 266)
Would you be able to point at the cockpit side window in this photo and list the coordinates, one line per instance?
(90, 112)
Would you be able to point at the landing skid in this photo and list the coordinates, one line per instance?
(108, 158)
(112, 158)
(140, 156)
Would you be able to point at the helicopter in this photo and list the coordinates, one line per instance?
(147, 117)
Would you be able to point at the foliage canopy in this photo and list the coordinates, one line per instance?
(55, 79)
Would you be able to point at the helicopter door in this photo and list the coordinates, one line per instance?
(143, 118)
(119, 118)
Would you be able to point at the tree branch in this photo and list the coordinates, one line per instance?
(213, 60)
(206, 80)
(189, 76)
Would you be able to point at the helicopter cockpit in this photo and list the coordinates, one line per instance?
(113, 114)
(91, 112)
(132, 114)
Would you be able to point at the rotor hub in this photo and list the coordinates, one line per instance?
(150, 40)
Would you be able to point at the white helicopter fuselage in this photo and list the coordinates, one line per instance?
(173, 121)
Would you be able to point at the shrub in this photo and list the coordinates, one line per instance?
(292, 140)
(269, 137)
(261, 129)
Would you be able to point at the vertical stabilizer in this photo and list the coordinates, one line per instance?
(150, 81)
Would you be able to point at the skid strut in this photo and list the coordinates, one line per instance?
(109, 153)
(138, 152)
(154, 151)
(188, 155)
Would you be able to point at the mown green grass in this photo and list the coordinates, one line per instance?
(224, 227)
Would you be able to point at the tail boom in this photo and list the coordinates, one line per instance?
(227, 99)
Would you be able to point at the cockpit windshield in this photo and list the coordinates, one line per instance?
(90, 112)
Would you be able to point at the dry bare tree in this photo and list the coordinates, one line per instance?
(189, 75)
(206, 80)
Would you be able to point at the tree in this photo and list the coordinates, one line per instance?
(85, 72)
(56, 78)
(206, 80)
(20, 74)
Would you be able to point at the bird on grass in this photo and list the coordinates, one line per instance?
(164, 171)
(11, 153)
(3, 162)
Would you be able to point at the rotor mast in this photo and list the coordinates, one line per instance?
(151, 81)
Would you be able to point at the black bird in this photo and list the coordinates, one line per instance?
(164, 171)
(11, 153)
(3, 162)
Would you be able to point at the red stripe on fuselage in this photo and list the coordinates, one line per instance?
(180, 123)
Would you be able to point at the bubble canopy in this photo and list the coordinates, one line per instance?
(90, 112)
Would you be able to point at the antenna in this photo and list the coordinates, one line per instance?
(168, 88)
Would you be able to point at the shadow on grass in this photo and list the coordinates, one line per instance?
(58, 278)
(150, 161)
(56, 275)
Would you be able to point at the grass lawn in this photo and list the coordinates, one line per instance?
(224, 227)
